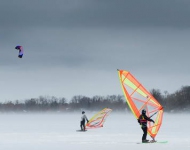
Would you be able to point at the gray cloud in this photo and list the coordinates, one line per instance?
(74, 47)
(90, 13)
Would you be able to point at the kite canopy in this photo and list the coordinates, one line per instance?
(98, 119)
(138, 98)
(21, 51)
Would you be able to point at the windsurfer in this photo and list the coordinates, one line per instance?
(143, 119)
(82, 122)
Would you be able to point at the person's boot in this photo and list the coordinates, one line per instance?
(145, 141)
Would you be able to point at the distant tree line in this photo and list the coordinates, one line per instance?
(176, 102)
(54, 104)
(179, 101)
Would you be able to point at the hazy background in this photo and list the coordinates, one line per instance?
(74, 47)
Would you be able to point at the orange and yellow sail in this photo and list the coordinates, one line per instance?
(98, 119)
(138, 98)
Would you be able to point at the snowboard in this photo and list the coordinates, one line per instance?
(161, 142)
(81, 130)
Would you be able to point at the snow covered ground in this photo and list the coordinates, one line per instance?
(58, 132)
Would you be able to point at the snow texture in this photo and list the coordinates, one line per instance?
(58, 132)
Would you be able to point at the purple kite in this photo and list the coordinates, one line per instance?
(20, 48)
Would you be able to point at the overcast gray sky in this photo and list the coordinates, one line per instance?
(74, 47)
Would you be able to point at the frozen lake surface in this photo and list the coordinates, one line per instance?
(58, 132)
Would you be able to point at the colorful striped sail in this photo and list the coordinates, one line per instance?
(138, 98)
(98, 119)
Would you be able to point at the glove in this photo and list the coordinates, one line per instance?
(138, 121)
(153, 121)
(87, 121)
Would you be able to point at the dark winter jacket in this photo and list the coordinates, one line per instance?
(143, 120)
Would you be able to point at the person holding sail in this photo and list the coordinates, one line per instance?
(142, 120)
(82, 122)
